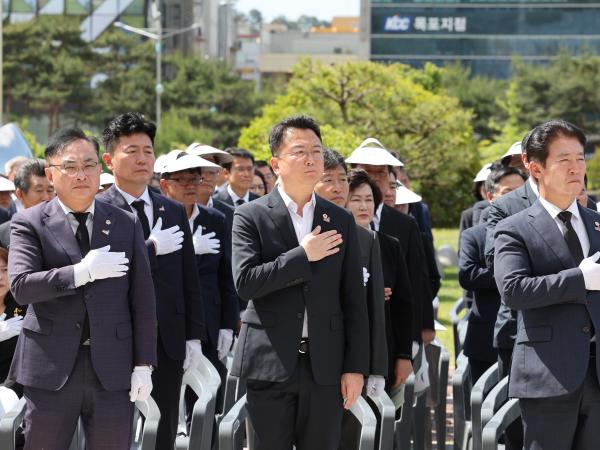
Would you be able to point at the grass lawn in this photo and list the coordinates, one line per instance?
(450, 290)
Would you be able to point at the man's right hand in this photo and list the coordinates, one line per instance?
(319, 245)
(591, 272)
(101, 263)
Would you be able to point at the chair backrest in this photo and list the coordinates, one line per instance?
(440, 409)
(497, 397)
(480, 390)
(387, 414)
(8, 400)
(230, 428)
(368, 423)
(506, 415)
(403, 426)
(461, 394)
(458, 322)
(151, 416)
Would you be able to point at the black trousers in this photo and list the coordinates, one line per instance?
(166, 381)
(297, 411)
(565, 422)
(51, 416)
(478, 368)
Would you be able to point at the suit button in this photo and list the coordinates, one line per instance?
(305, 288)
(586, 329)
(78, 325)
(300, 316)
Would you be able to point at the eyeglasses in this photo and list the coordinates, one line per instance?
(302, 155)
(71, 170)
(187, 181)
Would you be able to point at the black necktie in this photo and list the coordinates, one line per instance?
(571, 237)
(239, 201)
(83, 239)
(139, 207)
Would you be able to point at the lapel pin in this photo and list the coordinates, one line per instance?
(162, 208)
(596, 226)
(106, 232)
(326, 218)
(108, 222)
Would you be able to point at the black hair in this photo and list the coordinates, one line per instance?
(476, 190)
(277, 133)
(260, 175)
(333, 159)
(358, 177)
(125, 125)
(237, 153)
(65, 136)
(260, 164)
(538, 140)
(497, 172)
(33, 167)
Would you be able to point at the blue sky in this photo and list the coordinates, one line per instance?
(292, 9)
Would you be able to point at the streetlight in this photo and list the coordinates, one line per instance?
(157, 34)
(1, 61)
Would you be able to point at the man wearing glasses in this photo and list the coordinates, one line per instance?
(81, 266)
(240, 173)
(129, 153)
(304, 342)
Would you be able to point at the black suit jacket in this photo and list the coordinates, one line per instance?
(214, 272)
(224, 196)
(227, 211)
(475, 276)
(506, 206)
(179, 304)
(5, 235)
(405, 229)
(371, 260)
(399, 315)
(272, 272)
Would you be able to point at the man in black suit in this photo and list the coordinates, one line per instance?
(543, 271)
(31, 187)
(240, 173)
(304, 341)
(475, 276)
(129, 153)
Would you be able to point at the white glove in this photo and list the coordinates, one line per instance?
(141, 383)
(10, 328)
(366, 276)
(166, 241)
(375, 385)
(100, 263)
(205, 243)
(591, 272)
(193, 351)
(224, 342)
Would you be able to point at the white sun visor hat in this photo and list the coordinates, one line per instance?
(6, 185)
(483, 173)
(404, 195)
(162, 161)
(187, 162)
(514, 149)
(106, 178)
(220, 156)
(372, 152)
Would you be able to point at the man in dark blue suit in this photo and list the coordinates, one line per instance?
(476, 277)
(129, 153)
(543, 271)
(239, 172)
(89, 335)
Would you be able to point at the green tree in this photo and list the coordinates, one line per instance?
(176, 132)
(429, 129)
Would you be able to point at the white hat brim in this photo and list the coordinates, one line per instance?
(405, 196)
(220, 156)
(188, 162)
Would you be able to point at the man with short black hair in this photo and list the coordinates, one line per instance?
(89, 335)
(31, 187)
(304, 342)
(239, 173)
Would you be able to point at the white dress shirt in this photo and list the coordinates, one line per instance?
(377, 217)
(147, 203)
(302, 227)
(235, 197)
(576, 221)
(195, 213)
(534, 186)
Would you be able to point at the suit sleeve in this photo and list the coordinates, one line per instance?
(354, 306)
(425, 279)
(254, 278)
(471, 275)
(142, 301)
(230, 311)
(376, 305)
(195, 322)
(29, 283)
(497, 213)
(519, 289)
(401, 310)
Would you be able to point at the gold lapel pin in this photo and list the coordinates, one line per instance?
(326, 218)
(106, 232)
(596, 226)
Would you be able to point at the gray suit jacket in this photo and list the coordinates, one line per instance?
(122, 313)
(271, 271)
(537, 276)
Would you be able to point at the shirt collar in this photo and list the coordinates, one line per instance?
(235, 197)
(130, 198)
(195, 213)
(90, 209)
(554, 210)
(291, 204)
(534, 186)
(210, 203)
(378, 211)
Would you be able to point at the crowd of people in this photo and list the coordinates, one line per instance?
(317, 271)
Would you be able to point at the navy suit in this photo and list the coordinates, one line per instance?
(49, 359)
(552, 371)
(475, 276)
(179, 308)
